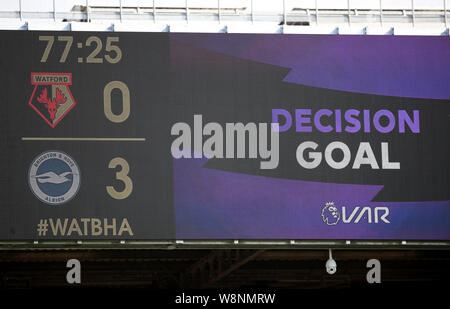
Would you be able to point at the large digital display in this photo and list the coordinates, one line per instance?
(111, 135)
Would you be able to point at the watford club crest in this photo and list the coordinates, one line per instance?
(51, 97)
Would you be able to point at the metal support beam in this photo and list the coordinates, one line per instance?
(215, 266)
(348, 7)
(87, 11)
(20, 9)
(187, 11)
(381, 13)
(121, 10)
(251, 11)
(218, 11)
(445, 12)
(317, 13)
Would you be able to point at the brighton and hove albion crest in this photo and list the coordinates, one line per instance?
(51, 97)
(54, 177)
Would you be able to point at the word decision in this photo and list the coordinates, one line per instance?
(346, 122)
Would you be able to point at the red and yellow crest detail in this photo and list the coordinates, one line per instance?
(51, 97)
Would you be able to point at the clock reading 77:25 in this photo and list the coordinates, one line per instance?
(111, 51)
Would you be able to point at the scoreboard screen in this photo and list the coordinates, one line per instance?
(108, 135)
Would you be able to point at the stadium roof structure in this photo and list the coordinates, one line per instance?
(400, 17)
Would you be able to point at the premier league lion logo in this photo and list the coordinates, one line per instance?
(330, 214)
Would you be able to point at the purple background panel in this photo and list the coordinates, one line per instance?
(218, 204)
(404, 66)
(223, 205)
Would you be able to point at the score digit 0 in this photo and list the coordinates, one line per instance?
(125, 101)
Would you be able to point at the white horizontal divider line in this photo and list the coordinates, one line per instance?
(87, 139)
